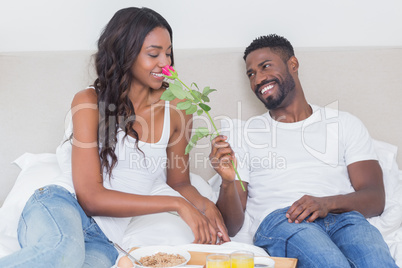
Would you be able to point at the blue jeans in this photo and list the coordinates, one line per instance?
(54, 231)
(338, 240)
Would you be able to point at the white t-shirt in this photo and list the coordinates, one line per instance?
(284, 161)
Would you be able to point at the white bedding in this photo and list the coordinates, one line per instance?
(167, 229)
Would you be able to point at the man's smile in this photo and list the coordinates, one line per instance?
(267, 89)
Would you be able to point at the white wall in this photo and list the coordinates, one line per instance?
(39, 25)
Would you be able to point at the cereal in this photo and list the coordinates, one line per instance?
(161, 259)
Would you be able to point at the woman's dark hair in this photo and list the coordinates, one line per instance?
(118, 47)
(276, 43)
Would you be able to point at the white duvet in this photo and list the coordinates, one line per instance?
(168, 229)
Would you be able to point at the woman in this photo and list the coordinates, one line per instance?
(118, 125)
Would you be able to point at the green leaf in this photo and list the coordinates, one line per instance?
(177, 90)
(188, 148)
(194, 85)
(204, 98)
(207, 90)
(196, 94)
(196, 137)
(200, 111)
(167, 95)
(176, 82)
(202, 131)
(193, 142)
(192, 109)
(188, 95)
(205, 107)
(184, 105)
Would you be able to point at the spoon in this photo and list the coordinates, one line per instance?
(131, 257)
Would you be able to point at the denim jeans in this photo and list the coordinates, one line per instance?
(338, 240)
(54, 231)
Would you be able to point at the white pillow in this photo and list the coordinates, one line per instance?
(387, 158)
(201, 185)
(157, 229)
(391, 219)
(163, 228)
(37, 170)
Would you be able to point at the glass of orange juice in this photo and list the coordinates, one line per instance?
(218, 261)
(242, 259)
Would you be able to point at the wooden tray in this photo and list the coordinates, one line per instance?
(199, 258)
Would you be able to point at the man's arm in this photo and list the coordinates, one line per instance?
(232, 203)
(232, 199)
(368, 198)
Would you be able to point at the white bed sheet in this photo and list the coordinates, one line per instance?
(167, 229)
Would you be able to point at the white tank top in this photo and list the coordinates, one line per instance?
(136, 172)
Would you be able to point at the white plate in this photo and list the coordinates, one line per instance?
(270, 263)
(152, 250)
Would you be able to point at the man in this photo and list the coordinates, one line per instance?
(311, 203)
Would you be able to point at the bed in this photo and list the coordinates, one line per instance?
(37, 87)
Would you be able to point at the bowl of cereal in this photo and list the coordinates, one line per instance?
(161, 256)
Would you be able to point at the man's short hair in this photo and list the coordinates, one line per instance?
(278, 44)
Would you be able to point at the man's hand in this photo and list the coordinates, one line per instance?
(308, 206)
(221, 158)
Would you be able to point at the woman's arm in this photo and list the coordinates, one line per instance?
(178, 172)
(94, 198)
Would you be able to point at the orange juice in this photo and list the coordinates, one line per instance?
(242, 259)
(218, 261)
(243, 263)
